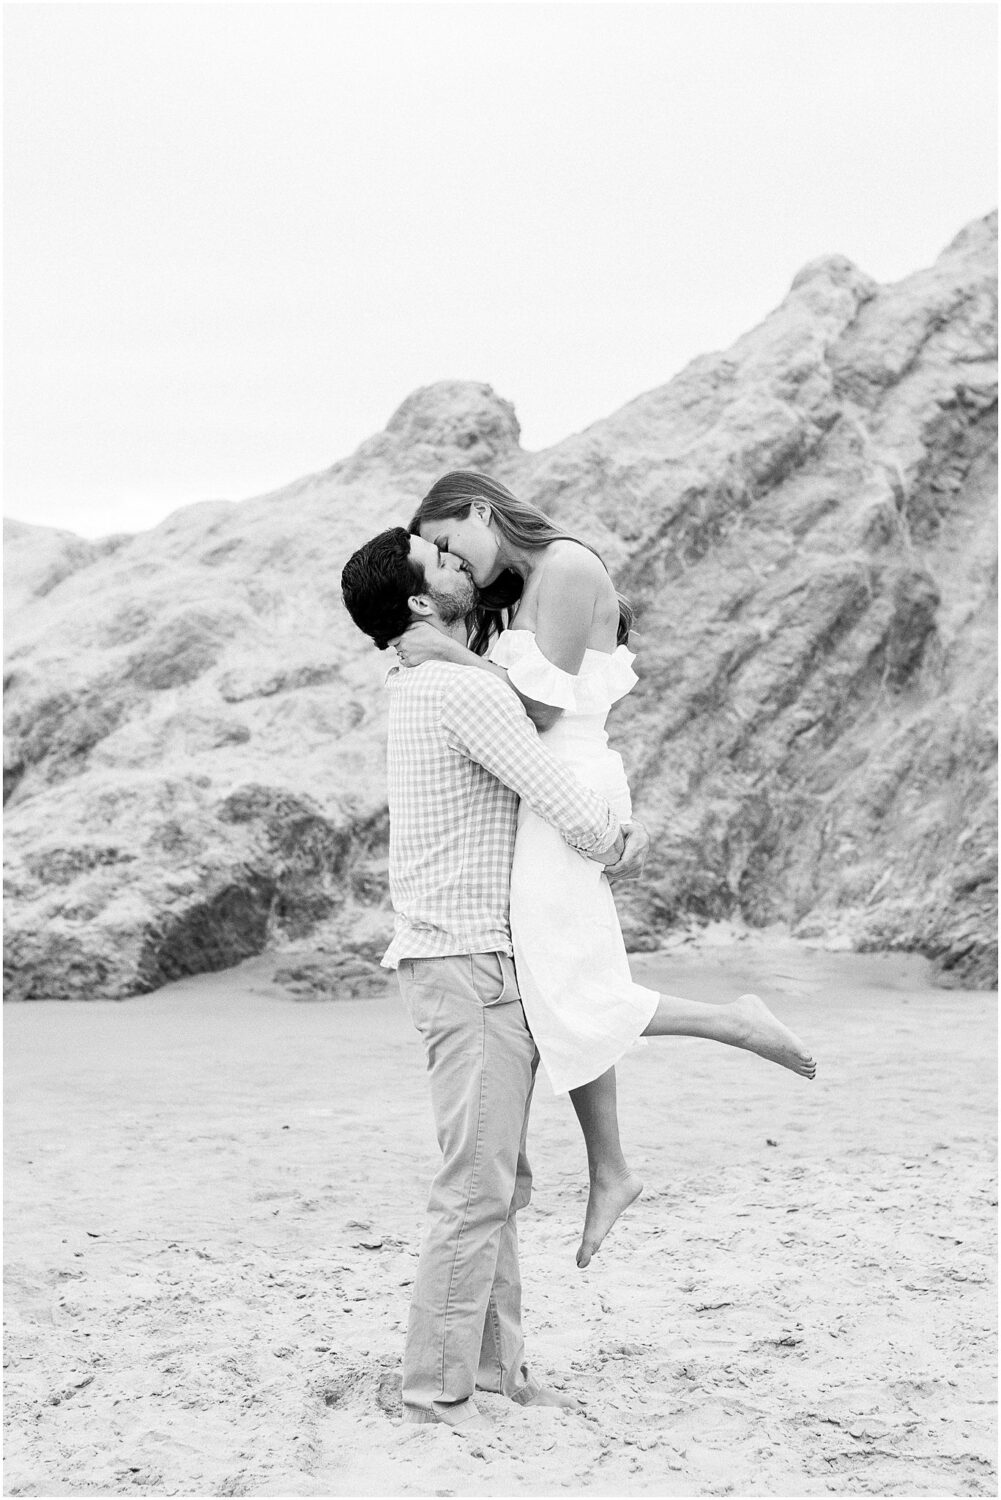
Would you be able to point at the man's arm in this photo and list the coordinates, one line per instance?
(485, 722)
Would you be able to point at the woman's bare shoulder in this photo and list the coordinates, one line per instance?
(572, 603)
(571, 562)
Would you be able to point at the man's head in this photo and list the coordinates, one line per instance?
(397, 578)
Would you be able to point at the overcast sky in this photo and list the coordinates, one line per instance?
(238, 235)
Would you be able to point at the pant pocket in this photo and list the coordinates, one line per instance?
(492, 976)
(420, 971)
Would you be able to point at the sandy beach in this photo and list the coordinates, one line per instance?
(214, 1197)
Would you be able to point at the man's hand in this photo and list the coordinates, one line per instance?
(633, 857)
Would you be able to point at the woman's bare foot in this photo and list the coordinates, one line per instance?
(757, 1030)
(610, 1196)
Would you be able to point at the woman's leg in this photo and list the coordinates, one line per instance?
(613, 1186)
(746, 1022)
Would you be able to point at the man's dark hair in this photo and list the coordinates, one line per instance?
(377, 581)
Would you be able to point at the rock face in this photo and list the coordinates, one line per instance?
(806, 527)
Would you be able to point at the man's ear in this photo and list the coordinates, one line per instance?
(420, 604)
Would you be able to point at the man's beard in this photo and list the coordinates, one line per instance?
(457, 603)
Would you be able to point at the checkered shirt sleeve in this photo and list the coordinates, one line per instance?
(487, 724)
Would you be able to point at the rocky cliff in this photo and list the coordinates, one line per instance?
(806, 526)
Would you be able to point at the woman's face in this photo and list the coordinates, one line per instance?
(470, 538)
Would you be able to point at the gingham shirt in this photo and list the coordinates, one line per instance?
(461, 753)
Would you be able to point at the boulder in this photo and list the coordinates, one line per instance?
(805, 525)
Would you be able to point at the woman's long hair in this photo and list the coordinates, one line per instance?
(521, 524)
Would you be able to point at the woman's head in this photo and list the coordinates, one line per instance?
(479, 520)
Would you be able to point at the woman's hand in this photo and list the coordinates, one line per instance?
(420, 643)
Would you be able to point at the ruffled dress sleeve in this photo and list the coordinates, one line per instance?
(601, 681)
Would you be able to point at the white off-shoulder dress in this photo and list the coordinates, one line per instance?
(580, 1001)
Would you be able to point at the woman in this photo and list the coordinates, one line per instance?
(551, 624)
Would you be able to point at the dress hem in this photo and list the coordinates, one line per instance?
(632, 1046)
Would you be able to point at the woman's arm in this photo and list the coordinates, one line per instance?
(565, 603)
(564, 613)
(426, 643)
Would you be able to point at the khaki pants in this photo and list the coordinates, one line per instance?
(465, 1313)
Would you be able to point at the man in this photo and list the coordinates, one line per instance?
(461, 753)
